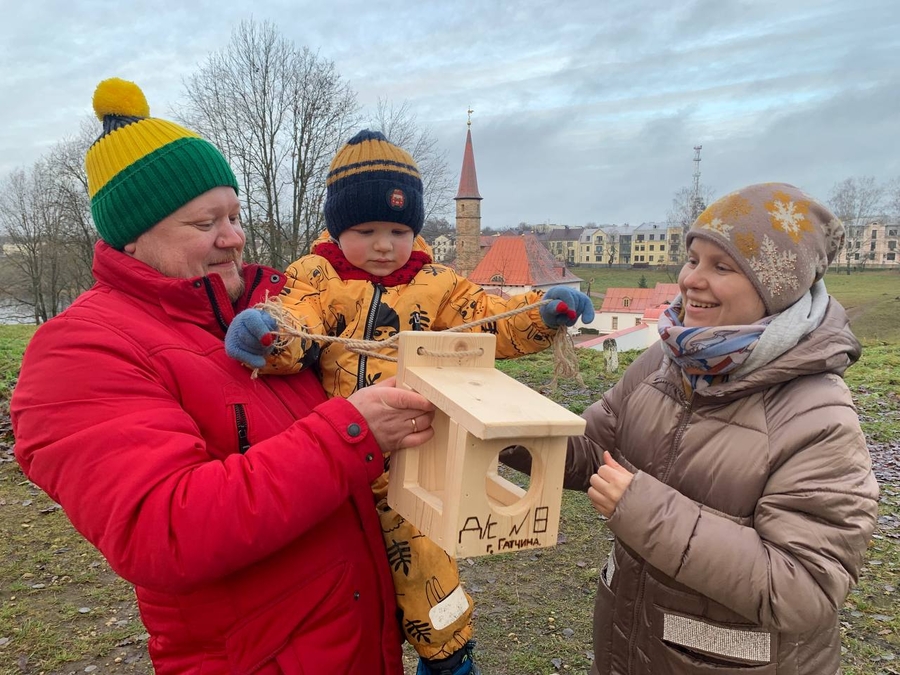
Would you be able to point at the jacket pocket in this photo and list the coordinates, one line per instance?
(300, 631)
(242, 426)
(681, 644)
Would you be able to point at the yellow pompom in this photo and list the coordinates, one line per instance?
(119, 97)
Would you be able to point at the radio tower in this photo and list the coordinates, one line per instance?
(697, 204)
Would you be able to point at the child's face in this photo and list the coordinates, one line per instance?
(377, 247)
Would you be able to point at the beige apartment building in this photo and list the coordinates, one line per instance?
(875, 244)
(646, 245)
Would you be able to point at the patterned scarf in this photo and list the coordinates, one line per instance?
(707, 354)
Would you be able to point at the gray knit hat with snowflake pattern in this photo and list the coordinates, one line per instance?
(782, 239)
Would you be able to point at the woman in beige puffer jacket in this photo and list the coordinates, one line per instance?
(730, 461)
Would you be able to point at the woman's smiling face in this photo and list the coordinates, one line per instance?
(715, 291)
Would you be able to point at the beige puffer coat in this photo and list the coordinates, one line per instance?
(747, 519)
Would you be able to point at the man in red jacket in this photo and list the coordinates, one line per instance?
(240, 509)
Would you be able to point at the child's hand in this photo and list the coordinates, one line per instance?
(608, 485)
(249, 337)
(572, 304)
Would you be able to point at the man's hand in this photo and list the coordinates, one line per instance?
(398, 418)
(608, 485)
(572, 305)
(249, 337)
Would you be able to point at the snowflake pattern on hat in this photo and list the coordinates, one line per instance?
(776, 270)
(789, 216)
(718, 226)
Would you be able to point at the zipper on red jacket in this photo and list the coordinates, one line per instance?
(243, 431)
(368, 333)
(256, 280)
(217, 311)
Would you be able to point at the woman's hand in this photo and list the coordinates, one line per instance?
(608, 485)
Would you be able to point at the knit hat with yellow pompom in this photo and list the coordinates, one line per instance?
(371, 179)
(142, 169)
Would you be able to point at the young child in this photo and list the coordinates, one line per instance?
(369, 277)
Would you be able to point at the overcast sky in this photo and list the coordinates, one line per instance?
(585, 110)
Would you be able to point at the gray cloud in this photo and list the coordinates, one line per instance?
(585, 110)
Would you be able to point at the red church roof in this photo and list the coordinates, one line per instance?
(468, 181)
(637, 300)
(520, 261)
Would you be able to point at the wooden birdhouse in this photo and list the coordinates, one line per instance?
(450, 488)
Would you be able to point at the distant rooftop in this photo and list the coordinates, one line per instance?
(638, 300)
(520, 261)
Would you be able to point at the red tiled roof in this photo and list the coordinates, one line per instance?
(654, 312)
(520, 261)
(639, 299)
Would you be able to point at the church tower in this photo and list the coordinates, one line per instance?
(468, 211)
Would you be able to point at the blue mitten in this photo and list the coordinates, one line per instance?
(249, 337)
(572, 304)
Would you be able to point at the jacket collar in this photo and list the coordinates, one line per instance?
(347, 271)
(199, 300)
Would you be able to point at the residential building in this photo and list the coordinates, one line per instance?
(650, 246)
(444, 248)
(875, 244)
(563, 243)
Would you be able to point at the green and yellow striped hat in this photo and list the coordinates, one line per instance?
(142, 169)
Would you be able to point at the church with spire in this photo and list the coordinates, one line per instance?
(510, 264)
(468, 211)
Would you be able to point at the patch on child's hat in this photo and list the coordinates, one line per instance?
(396, 199)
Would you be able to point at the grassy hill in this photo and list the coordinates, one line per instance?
(63, 611)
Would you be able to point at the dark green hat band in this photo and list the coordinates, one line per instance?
(155, 186)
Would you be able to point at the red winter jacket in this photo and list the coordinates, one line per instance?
(240, 509)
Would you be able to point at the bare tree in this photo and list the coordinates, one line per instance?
(893, 198)
(279, 113)
(686, 206)
(45, 215)
(35, 258)
(70, 177)
(612, 248)
(400, 125)
(435, 227)
(856, 201)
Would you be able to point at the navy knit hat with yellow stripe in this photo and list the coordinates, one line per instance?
(371, 179)
(142, 169)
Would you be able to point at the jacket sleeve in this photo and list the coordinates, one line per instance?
(302, 301)
(517, 335)
(792, 567)
(133, 472)
(585, 453)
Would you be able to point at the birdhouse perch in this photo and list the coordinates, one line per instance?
(449, 488)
